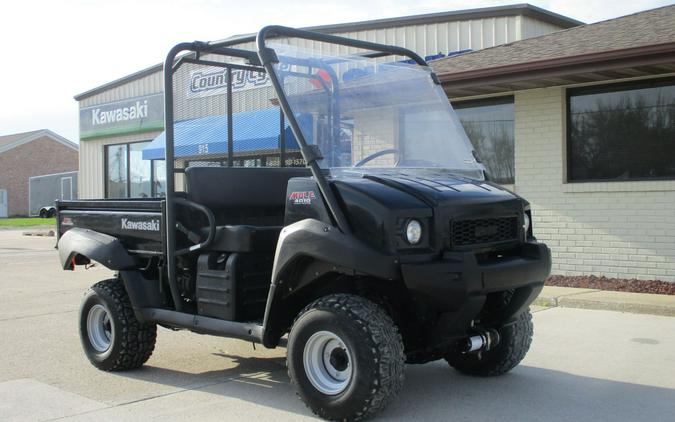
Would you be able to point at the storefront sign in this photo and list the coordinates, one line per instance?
(134, 115)
(204, 83)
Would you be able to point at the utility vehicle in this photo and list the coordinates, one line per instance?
(321, 194)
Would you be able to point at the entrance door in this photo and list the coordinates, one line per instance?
(3, 203)
(66, 188)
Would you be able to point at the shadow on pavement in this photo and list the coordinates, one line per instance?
(434, 392)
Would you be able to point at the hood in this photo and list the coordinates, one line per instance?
(437, 189)
(377, 204)
(401, 189)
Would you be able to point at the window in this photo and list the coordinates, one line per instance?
(159, 177)
(490, 126)
(116, 178)
(621, 132)
(139, 172)
(128, 175)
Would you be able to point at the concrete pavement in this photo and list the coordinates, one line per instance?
(584, 365)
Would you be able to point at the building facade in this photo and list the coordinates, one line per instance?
(111, 157)
(24, 155)
(589, 118)
(579, 121)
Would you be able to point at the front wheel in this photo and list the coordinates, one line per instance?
(112, 338)
(514, 343)
(345, 357)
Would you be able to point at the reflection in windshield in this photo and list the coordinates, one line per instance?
(366, 114)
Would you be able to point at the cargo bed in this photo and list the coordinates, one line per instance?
(138, 223)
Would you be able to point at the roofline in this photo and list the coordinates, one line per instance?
(37, 134)
(646, 55)
(523, 9)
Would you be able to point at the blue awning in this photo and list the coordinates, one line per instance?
(252, 131)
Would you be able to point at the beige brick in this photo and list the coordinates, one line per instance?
(624, 229)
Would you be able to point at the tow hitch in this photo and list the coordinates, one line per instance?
(480, 341)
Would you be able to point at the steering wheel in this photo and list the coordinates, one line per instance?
(377, 155)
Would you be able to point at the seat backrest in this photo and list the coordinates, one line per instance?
(223, 189)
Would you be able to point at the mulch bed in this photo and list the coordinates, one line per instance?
(613, 284)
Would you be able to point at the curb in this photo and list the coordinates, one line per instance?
(637, 303)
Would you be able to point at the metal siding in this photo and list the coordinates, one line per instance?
(477, 34)
(453, 35)
(150, 84)
(488, 34)
(464, 35)
(500, 30)
(442, 37)
(533, 27)
(511, 25)
(426, 39)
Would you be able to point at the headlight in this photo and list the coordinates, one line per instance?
(526, 222)
(413, 232)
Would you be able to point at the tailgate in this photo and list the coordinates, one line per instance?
(138, 224)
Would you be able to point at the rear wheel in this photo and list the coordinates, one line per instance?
(514, 343)
(112, 338)
(345, 357)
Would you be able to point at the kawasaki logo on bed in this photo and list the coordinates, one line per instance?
(147, 225)
(206, 83)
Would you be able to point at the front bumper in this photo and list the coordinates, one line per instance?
(453, 281)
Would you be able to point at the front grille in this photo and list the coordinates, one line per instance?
(484, 230)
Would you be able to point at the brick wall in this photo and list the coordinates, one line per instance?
(36, 158)
(615, 229)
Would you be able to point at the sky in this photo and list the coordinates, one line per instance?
(55, 49)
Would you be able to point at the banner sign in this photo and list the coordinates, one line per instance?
(133, 115)
(205, 83)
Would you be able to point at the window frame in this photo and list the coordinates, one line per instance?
(486, 102)
(604, 89)
(106, 155)
(153, 189)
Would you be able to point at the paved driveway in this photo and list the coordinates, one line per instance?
(584, 365)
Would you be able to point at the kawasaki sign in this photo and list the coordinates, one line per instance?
(133, 115)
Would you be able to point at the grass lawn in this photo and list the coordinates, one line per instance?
(27, 222)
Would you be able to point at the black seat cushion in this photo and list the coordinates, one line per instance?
(243, 238)
(240, 187)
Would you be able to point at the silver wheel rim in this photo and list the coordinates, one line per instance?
(99, 328)
(328, 363)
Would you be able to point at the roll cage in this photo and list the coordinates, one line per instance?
(261, 60)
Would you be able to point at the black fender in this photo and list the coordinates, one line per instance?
(102, 248)
(314, 241)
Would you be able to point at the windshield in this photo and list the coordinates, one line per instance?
(368, 115)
